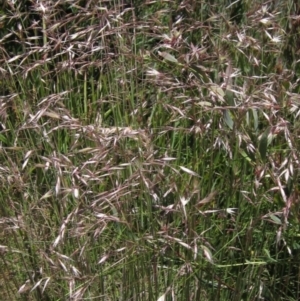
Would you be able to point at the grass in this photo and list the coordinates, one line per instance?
(149, 151)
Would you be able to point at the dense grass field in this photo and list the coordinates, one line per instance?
(149, 150)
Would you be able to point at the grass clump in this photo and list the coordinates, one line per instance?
(149, 151)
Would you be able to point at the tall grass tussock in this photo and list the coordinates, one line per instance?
(149, 150)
